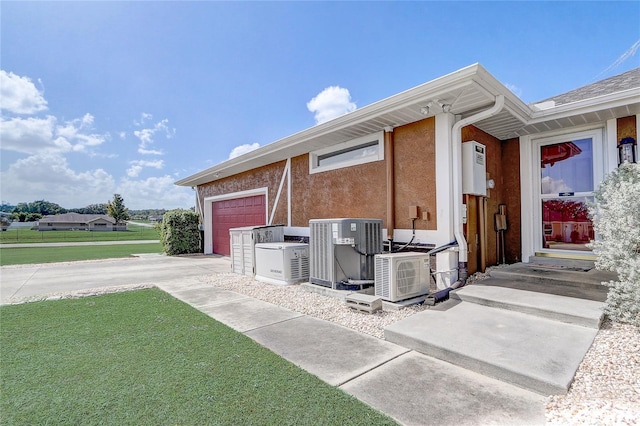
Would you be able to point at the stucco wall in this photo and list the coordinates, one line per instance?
(512, 198)
(357, 191)
(415, 173)
(627, 128)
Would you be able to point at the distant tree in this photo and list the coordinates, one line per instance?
(45, 208)
(91, 209)
(33, 217)
(117, 210)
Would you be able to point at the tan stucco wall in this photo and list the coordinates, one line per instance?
(415, 173)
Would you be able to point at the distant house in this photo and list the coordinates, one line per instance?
(77, 221)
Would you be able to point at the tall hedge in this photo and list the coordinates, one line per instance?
(179, 232)
(616, 220)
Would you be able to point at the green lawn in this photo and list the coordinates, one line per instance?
(26, 235)
(27, 255)
(145, 358)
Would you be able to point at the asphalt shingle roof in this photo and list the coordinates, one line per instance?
(617, 83)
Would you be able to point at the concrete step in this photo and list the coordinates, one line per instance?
(535, 353)
(555, 280)
(584, 264)
(570, 310)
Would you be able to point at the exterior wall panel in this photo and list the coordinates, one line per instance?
(415, 173)
(356, 191)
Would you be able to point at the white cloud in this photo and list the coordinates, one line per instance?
(37, 135)
(553, 186)
(243, 149)
(50, 177)
(138, 165)
(155, 192)
(19, 95)
(29, 178)
(147, 135)
(626, 55)
(332, 102)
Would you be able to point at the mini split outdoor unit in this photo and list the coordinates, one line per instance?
(342, 251)
(401, 276)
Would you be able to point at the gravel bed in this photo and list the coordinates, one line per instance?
(606, 387)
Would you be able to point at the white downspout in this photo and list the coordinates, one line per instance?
(456, 136)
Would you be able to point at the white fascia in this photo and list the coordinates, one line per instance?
(208, 211)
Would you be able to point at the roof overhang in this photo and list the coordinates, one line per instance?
(465, 92)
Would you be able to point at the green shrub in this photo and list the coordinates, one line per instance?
(616, 220)
(180, 232)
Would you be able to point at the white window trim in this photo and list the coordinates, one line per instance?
(530, 216)
(314, 155)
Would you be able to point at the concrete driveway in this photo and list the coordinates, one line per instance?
(21, 282)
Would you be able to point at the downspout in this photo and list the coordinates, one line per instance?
(456, 137)
(391, 185)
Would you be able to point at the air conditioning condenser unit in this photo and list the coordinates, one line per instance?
(400, 276)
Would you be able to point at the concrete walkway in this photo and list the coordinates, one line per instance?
(412, 388)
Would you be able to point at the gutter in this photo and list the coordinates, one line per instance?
(456, 138)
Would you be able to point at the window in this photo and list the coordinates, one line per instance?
(356, 151)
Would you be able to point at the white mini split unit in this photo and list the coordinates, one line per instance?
(282, 263)
(342, 251)
(401, 276)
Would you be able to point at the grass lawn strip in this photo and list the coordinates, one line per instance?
(27, 235)
(143, 357)
(30, 255)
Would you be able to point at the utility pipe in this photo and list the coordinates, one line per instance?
(456, 137)
(391, 185)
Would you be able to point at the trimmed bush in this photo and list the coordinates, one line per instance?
(616, 220)
(180, 233)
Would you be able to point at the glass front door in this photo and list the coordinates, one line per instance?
(566, 185)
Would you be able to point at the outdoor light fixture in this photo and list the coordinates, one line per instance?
(427, 108)
(627, 151)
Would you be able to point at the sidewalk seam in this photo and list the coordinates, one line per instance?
(375, 366)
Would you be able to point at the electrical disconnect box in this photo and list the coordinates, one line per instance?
(474, 169)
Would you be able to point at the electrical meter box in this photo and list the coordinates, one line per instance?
(474, 169)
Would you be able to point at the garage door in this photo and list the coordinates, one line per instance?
(227, 214)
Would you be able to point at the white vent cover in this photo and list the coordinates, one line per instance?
(400, 276)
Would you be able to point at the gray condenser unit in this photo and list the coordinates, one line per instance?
(341, 251)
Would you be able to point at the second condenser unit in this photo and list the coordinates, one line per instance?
(342, 251)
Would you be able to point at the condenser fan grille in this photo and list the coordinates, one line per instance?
(407, 277)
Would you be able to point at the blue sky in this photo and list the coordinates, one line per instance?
(128, 97)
